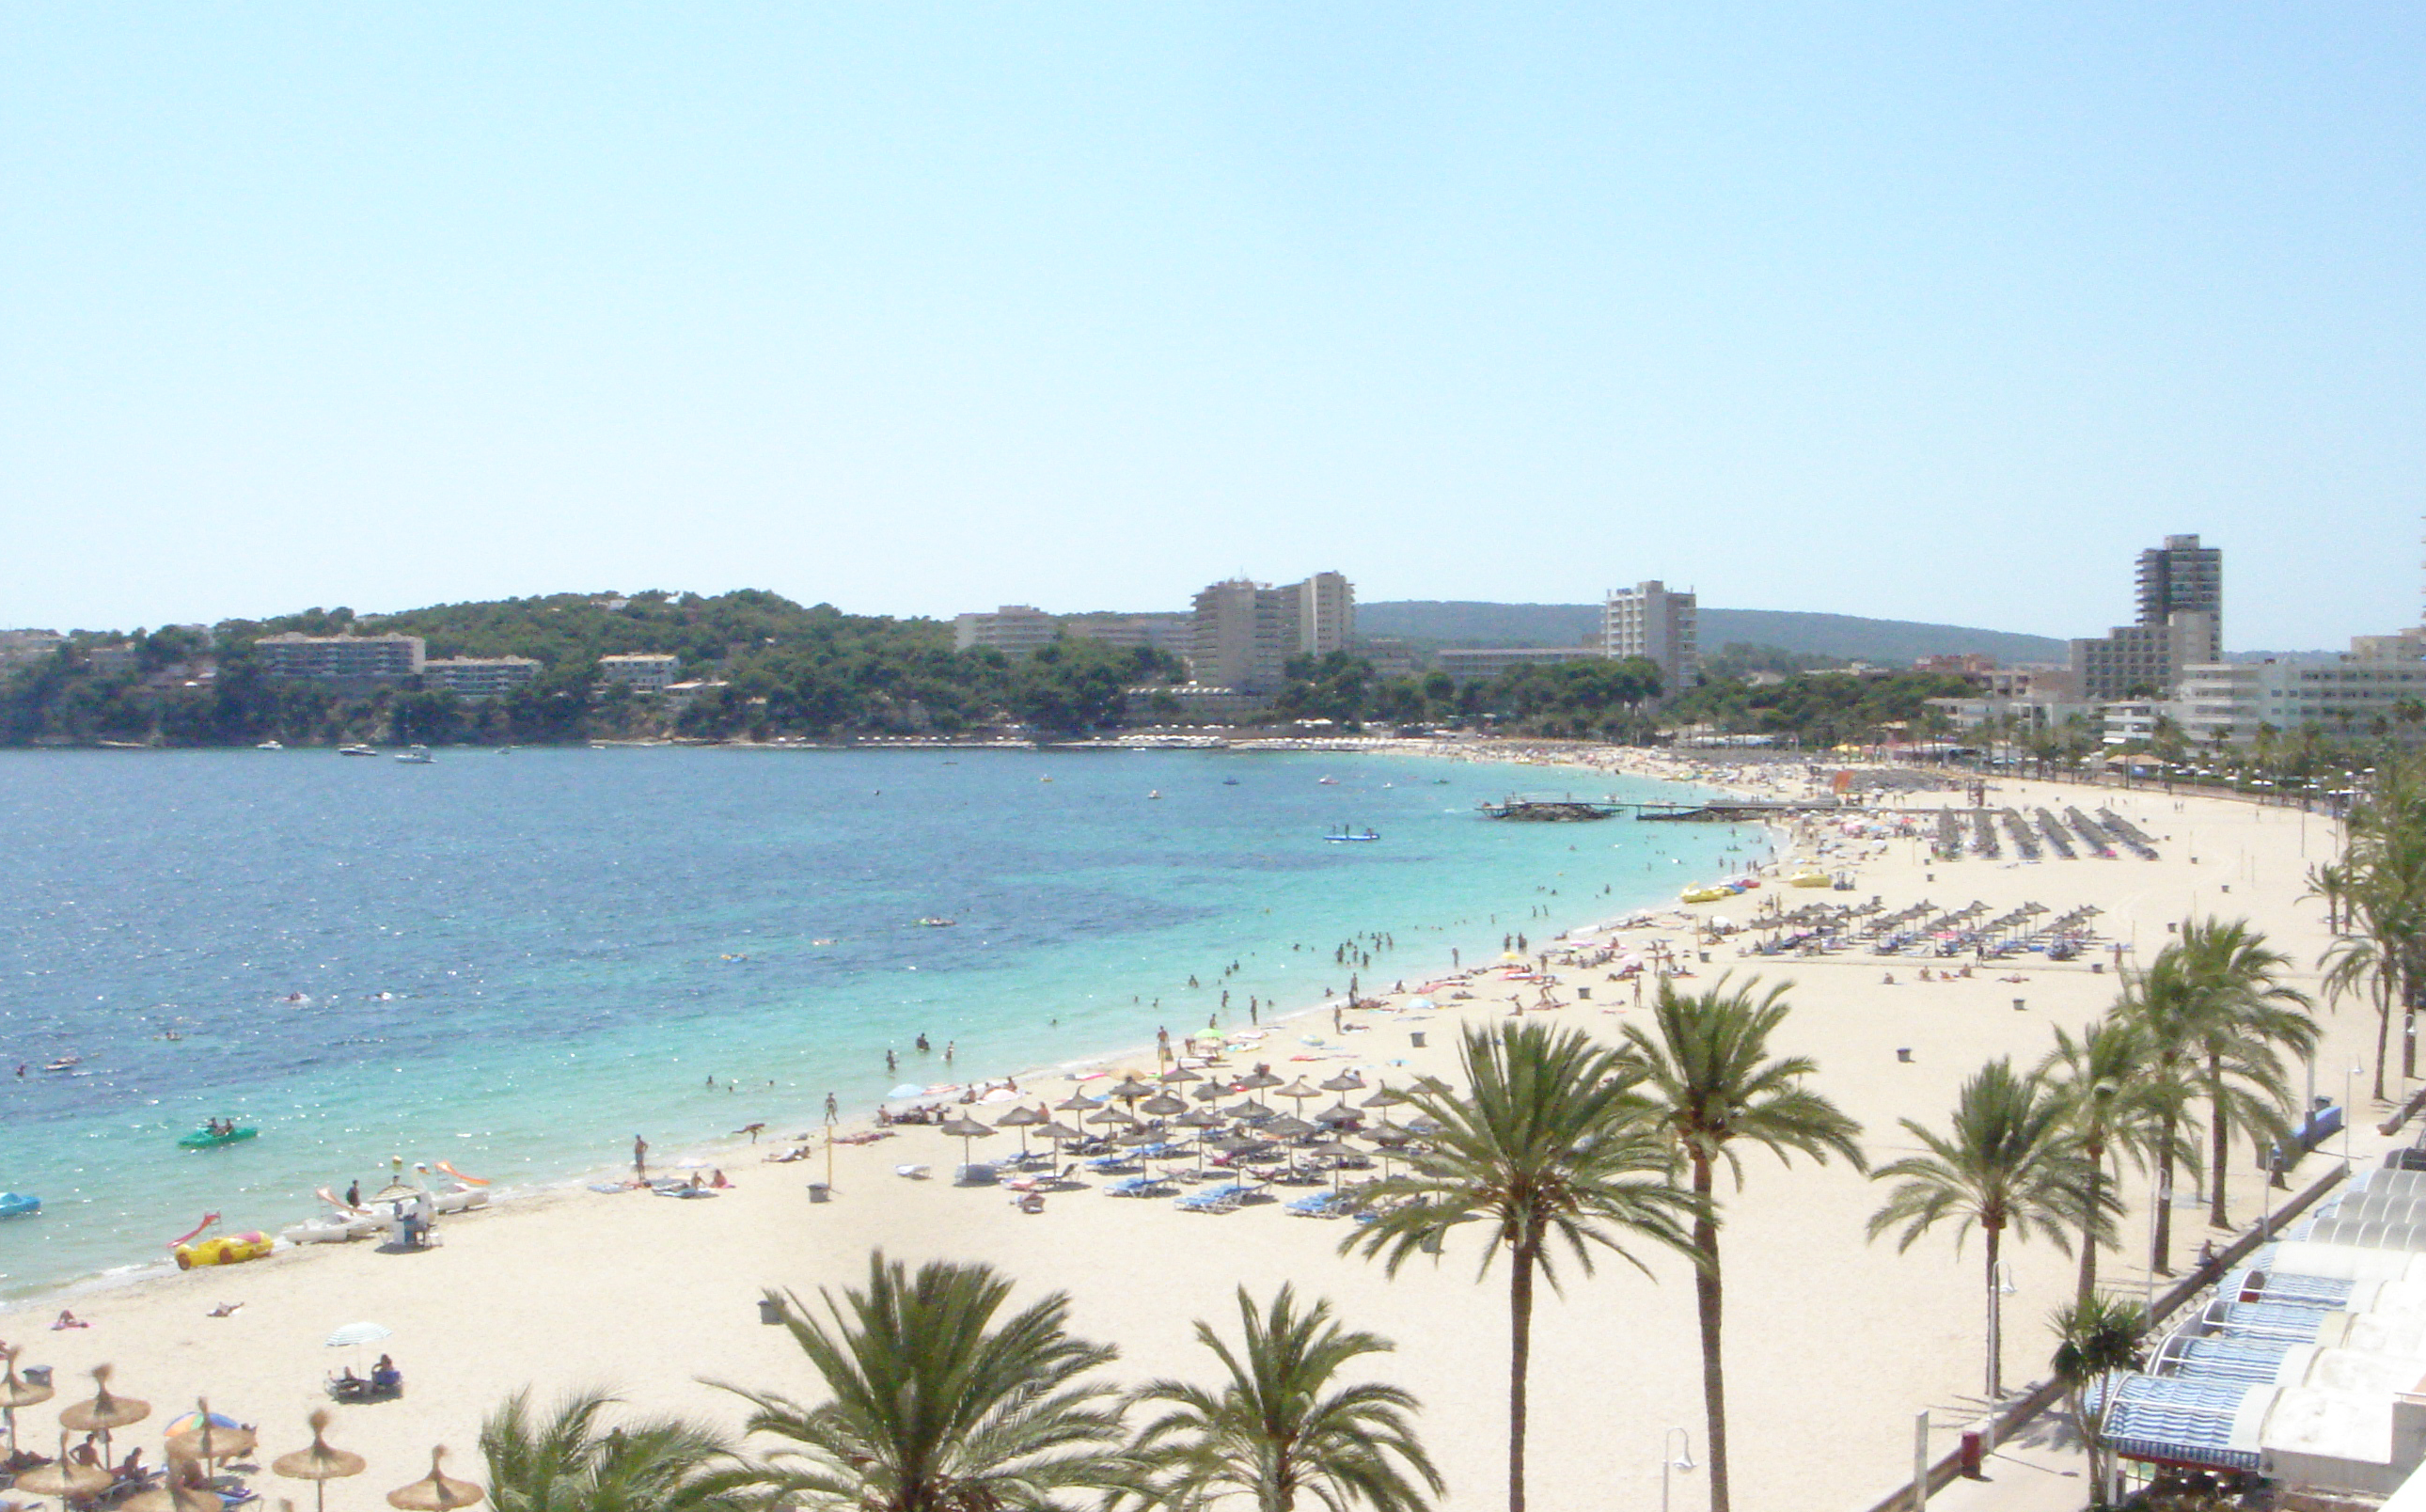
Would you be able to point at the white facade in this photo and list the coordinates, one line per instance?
(297, 657)
(1245, 633)
(649, 671)
(2349, 695)
(1649, 622)
(1010, 629)
(479, 677)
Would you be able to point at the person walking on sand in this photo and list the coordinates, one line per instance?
(639, 1159)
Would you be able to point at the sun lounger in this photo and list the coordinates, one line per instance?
(1319, 1205)
(1137, 1186)
(914, 1173)
(975, 1175)
(1213, 1199)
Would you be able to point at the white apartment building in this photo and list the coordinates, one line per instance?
(297, 657)
(1647, 620)
(1245, 633)
(1475, 666)
(479, 677)
(1015, 629)
(2233, 698)
(647, 671)
(1012, 629)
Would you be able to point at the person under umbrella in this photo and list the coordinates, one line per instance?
(320, 1464)
(186, 1490)
(105, 1411)
(436, 1491)
(1343, 1084)
(16, 1392)
(64, 1478)
(199, 1436)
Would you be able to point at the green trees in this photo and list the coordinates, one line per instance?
(2378, 886)
(2097, 1337)
(1550, 1149)
(564, 1462)
(1280, 1427)
(2245, 1015)
(2107, 1108)
(2004, 1164)
(1712, 1085)
(937, 1404)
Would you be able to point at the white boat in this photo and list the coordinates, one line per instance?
(417, 756)
(269, 745)
(357, 751)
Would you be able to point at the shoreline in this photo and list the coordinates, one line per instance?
(732, 1152)
(1833, 1340)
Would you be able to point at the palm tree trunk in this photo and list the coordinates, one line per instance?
(2218, 1131)
(1520, 1359)
(1714, 1379)
(2089, 1226)
(1996, 1322)
(2160, 1248)
(2383, 1030)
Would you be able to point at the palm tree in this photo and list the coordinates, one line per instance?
(2107, 1107)
(2097, 1337)
(2005, 1162)
(2162, 1007)
(1712, 1083)
(1277, 1428)
(935, 1407)
(564, 1463)
(2244, 1014)
(1550, 1145)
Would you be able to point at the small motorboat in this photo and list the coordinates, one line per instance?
(65, 1062)
(215, 1138)
(1326, 781)
(357, 751)
(938, 924)
(1346, 834)
(269, 745)
(417, 756)
(1154, 793)
(18, 1204)
(1229, 782)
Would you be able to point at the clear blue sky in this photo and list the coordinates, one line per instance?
(1927, 312)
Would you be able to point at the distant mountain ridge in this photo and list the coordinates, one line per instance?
(1888, 642)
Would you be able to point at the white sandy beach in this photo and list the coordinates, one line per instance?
(1834, 1343)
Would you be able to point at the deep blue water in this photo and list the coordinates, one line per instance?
(517, 963)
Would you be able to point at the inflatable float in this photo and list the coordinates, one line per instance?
(210, 1139)
(17, 1204)
(1705, 894)
(224, 1249)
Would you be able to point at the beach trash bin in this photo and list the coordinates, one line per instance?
(1415, 1038)
(819, 1192)
(1903, 1052)
(1973, 1452)
(769, 1312)
(2018, 1006)
(1584, 993)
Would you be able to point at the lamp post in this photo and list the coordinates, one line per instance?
(1683, 1460)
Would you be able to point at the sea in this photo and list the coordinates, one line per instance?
(516, 962)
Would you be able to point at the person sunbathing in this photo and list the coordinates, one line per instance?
(225, 1310)
(69, 1319)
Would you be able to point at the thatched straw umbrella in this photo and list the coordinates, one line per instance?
(105, 1412)
(320, 1464)
(16, 1392)
(1023, 1119)
(206, 1441)
(436, 1491)
(64, 1478)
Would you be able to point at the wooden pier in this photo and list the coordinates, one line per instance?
(1750, 811)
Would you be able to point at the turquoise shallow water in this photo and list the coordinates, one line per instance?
(515, 963)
